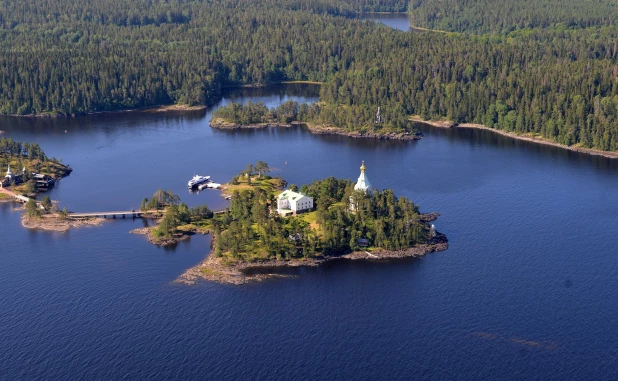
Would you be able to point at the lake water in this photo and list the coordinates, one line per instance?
(527, 290)
(398, 21)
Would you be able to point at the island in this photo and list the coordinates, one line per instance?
(320, 118)
(266, 228)
(28, 169)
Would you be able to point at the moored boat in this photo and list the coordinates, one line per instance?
(197, 180)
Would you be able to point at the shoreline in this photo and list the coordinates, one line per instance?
(329, 130)
(156, 108)
(52, 222)
(221, 124)
(214, 269)
(161, 242)
(531, 139)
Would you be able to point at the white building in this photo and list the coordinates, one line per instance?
(363, 184)
(9, 173)
(292, 202)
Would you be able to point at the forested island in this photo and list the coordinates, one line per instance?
(545, 69)
(342, 223)
(352, 121)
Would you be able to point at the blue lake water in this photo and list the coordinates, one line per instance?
(527, 290)
(398, 21)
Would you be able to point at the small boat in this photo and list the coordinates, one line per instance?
(197, 180)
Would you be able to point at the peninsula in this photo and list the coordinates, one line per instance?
(265, 228)
(28, 169)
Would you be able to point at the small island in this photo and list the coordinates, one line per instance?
(320, 119)
(28, 169)
(266, 228)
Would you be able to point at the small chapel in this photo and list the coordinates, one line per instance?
(8, 178)
(363, 183)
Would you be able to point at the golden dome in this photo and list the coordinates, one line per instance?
(363, 167)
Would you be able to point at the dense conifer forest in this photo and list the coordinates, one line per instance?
(546, 68)
(350, 117)
(506, 16)
(247, 231)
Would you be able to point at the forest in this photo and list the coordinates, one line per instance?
(17, 149)
(249, 229)
(349, 117)
(482, 16)
(551, 71)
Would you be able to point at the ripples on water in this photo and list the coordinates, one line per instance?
(527, 289)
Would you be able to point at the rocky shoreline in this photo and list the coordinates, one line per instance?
(527, 138)
(330, 130)
(216, 269)
(225, 125)
(317, 130)
(161, 241)
(53, 222)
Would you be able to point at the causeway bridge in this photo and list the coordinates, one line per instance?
(112, 214)
(124, 214)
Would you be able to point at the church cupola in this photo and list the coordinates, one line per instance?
(363, 183)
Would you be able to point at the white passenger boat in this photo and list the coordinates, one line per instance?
(197, 180)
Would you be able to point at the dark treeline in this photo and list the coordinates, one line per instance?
(505, 16)
(74, 56)
(349, 117)
(13, 148)
(248, 230)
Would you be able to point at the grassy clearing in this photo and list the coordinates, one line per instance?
(272, 186)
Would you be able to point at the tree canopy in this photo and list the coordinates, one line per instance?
(548, 67)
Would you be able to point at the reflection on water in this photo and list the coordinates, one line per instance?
(475, 138)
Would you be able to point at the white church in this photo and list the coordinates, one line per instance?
(363, 184)
(290, 202)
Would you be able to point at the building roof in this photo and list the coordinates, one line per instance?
(289, 195)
